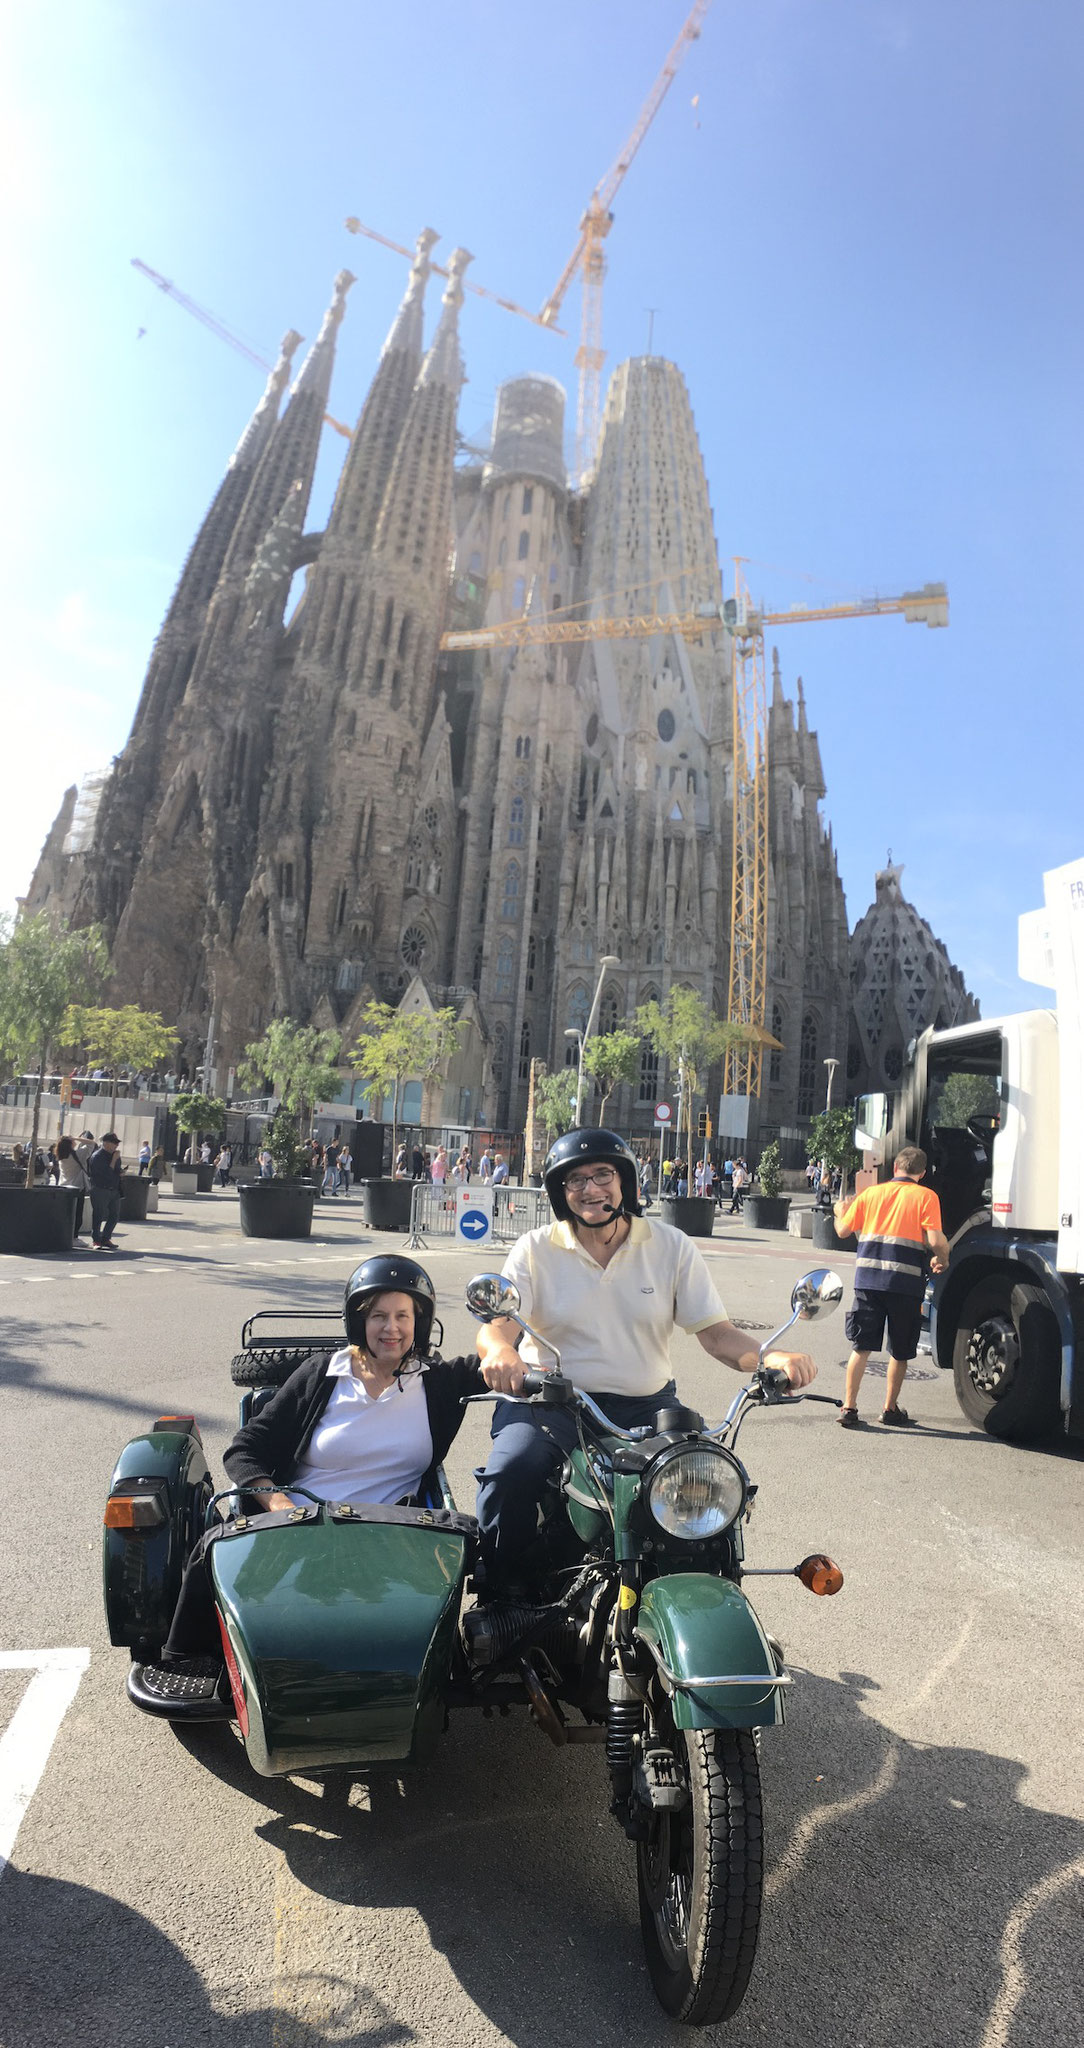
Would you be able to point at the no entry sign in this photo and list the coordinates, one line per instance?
(663, 1114)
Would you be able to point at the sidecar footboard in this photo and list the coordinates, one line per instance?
(712, 1655)
(340, 1630)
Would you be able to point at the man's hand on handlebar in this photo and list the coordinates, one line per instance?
(797, 1365)
(503, 1370)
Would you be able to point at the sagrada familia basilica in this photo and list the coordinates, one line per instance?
(313, 811)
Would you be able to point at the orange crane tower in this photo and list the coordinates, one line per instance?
(745, 622)
(589, 259)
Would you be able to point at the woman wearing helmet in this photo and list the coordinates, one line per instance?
(606, 1287)
(369, 1422)
(372, 1421)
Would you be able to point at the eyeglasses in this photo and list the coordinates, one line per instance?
(576, 1183)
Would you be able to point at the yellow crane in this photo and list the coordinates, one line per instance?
(481, 291)
(745, 623)
(588, 257)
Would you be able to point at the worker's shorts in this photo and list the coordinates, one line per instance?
(873, 1307)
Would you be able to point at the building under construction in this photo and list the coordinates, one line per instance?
(308, 814)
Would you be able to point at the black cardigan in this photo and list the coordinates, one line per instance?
(271, 1445)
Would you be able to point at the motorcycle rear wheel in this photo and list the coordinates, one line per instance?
(700, 1876)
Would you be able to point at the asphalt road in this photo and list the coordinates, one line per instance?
(925, 1802)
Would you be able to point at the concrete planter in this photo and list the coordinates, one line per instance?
(152, 1198)
(37, 1219)
(386, 1203)
(134, 1197)
(766, 1212)
(276, 1208)
(186, 1181)
(694, 1214)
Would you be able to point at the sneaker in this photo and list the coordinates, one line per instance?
(848, 1418)
(897, 1418)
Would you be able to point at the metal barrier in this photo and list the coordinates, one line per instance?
(515, 1209)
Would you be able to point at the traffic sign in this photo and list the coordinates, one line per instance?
(473, 1215)
(663, 1113)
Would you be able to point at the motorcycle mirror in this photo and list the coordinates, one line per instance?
(490, 1295)
(816, 1294)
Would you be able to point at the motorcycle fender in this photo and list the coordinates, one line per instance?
(700, 1627)
(343, 1636)
(142, 1568)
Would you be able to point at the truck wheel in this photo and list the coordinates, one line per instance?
(1006, 1360)
(700, 1873)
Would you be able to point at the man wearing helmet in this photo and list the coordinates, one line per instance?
(368, 1422)
(606, 1287)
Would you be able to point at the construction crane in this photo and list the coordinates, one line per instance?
(218, 327)
(589, 260)
(745, 623)
(480, 291)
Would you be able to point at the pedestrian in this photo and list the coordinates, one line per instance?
(897, 1223)
(438, 1172)
(52, 1169)
(157, 1166)
(500, 1169)
(485, 1165)
(739, 1181)
(417, 1161)
(72, 1175)
(346, 1168)
(104, 1175)
(400, 1167)
(644, 1178)
(265, 1163)
(223, 1163)
(205, 1153)
(144, 1157)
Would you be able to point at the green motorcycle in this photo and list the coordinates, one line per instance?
(647, 1633)
(349, 1632)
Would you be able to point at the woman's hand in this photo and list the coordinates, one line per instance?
(273, 1503)
(503, 1371)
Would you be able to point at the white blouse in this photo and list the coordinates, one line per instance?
(364, 1449)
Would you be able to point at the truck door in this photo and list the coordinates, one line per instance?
(961, 1117)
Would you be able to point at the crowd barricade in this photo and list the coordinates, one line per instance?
(515, 1209)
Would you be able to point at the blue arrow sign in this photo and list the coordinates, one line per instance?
(474, 1223)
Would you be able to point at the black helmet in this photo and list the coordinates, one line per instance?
(390, 1273)
(586, 1148)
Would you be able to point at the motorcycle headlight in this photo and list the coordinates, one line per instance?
(696, 1493)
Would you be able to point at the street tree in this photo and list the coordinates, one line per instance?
(395, 1046)
(118, 1038)
(45, 967)
(555, 1100)
(611, 1058)
(831, 1140)
(302, 1065)
(685, 1033)
(195, 1113)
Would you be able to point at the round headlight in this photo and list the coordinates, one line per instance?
(695, 1494)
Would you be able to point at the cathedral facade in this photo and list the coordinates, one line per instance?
(314, 811)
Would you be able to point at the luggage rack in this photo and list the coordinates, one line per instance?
(290, 1345)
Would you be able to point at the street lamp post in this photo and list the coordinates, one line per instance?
(831, 1066)
(607, 961)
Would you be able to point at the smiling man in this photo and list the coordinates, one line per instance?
(607, 1288)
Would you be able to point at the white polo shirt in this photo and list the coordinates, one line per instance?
(612, 1323)
(366, 1450)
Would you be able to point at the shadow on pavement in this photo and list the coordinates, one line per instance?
(895, 1870)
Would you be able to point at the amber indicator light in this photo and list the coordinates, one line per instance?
(819, 1574)
(134, 1511)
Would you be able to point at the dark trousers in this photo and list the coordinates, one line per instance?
(528, 1443)
(104, 1213)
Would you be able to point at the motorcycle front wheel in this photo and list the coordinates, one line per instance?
(700, 1875)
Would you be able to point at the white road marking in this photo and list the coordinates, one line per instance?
(33, 1729)
(1014, 1977)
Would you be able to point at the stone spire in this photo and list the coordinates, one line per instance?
(368, 464)
(415, 519)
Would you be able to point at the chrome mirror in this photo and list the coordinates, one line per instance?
(490, 1295)
(816, 1294)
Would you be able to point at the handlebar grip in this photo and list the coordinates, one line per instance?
(773, 1379)
(550, 1387)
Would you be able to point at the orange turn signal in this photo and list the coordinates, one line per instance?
(134, 1511)
(186, 1425)
(819, 1574)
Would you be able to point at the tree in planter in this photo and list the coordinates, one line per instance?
(288, 1155)
(119, 1038)
(831, 1140)
(301, 1064)
(45, 967)
(196, 1113)
(610, 1059)
(555, 1101)
(770, 1171)
(685, 1033)
(397, 1046)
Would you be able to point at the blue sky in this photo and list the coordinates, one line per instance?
(863, 244)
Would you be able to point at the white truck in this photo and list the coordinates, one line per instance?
(998, 1107)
